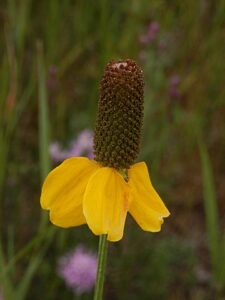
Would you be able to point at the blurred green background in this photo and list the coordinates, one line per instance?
(52, 56)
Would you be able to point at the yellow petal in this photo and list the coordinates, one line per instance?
(72, 218)
(106, 203)
(63, 191)
(146, 207)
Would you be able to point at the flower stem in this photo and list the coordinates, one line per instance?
(102, 255)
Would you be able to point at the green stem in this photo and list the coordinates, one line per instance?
(102, 255)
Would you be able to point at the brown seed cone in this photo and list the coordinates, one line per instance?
(120, 115)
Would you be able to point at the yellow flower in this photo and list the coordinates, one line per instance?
(102, 191)
(82, 191)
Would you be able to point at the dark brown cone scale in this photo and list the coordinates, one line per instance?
(120, 115)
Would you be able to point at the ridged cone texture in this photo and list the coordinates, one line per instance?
(120, 115)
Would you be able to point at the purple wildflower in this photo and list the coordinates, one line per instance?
(162, 44)
(151, 33)
(51, 77)
(173, 90)
(56, 152)
(142, 55)
(82, 145)
(78, 269)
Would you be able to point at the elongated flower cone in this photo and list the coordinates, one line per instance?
(120, 115)
(102, 191)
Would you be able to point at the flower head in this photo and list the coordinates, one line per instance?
(150, 34)
(78, 268)
(120, 115)
(51, 78)
(102, 191)
(56, 152)
(82, 145)
(173, 90)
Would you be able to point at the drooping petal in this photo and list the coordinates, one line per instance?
(146, 207)
(74, 217)
(106, 202)
(63, 191)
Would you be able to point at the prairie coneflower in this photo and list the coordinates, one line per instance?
(102, 191)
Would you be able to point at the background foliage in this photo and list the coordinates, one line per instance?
(52, 55)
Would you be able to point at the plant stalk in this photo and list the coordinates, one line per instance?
(102, 256)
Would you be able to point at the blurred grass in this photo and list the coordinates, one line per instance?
(216, 237)
(43, 122)
(76, 39)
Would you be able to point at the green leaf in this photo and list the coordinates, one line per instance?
(6, 283)
(211, 208)
(33, 266)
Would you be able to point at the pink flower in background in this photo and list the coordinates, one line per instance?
(162, 44)
(173, 90)
(56, 152)
(151, 33)
(78, 269)
(82, 145)
(142, 55)
(51, 77)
